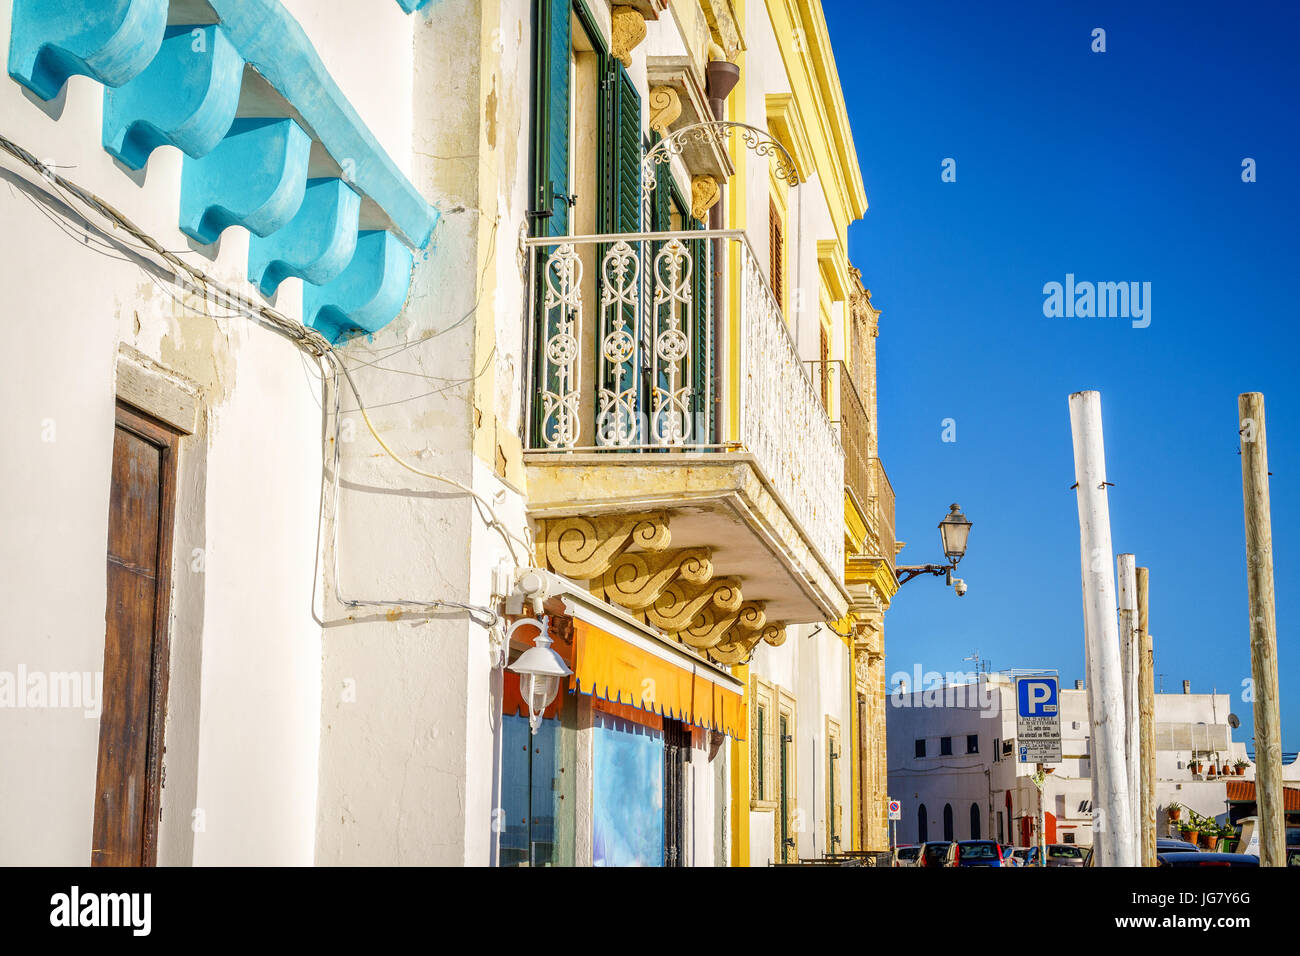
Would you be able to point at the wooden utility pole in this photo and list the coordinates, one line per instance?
(1146, 721)
(1263, 628)
(1101, 632)
(1128, 653)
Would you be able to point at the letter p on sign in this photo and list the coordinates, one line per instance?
(1037, 697)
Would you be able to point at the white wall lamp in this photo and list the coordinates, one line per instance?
(539, 669)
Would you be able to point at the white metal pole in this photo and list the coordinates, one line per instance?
(1101, 633)
(1128, 639)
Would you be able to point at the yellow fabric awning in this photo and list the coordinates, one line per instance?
(614, 670)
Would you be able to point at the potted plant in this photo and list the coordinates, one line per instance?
(1211, 770)
(1226, 769)
(1240, 766)
(1187, 832)
(1227, 838)
(1174, 811)
(1196, 766)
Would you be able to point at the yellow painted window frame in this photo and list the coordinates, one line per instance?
(762, 696)
(834, 803)
(787, 707)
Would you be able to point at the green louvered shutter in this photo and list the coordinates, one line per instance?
(621, 205)
(551, 118)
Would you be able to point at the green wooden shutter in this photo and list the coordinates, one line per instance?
(551, 117)
(621, 129)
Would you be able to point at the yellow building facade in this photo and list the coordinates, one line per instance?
(699, 447)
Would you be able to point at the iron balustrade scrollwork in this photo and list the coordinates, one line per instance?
(651, 352)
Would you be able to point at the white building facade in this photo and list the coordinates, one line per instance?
(283, 466)
(953, 763)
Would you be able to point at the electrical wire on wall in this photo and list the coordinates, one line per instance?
(78, 208)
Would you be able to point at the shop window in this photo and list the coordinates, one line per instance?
(677, 758)
(537, 790)
(627, 812)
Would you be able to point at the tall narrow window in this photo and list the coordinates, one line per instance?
(776, 244)
(920, 747)
(677, 756)
(947, 822)
(551, 58)
(945, 746)
(922, 825)
(142, 501)
(825, 368)
(975, 821)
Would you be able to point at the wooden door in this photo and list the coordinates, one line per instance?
(140, 515)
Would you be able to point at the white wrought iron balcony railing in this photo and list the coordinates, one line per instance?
(626, 359)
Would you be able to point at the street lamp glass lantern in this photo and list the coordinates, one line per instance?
(953, 530)
(539, 669)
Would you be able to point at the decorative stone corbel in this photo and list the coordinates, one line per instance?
(635, 580)
(711, 628)
(704, 195)
(665, 107)
(584, 548)
(739, 651)
(627, 28)
(680, 603)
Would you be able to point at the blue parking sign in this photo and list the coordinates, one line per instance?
(1036, 696)
(1038, 719)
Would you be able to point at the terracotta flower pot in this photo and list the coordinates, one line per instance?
(1240, 771)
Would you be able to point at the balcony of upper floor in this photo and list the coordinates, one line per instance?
(870, 546)
(665, 382)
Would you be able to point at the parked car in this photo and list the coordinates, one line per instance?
(1293, 856)
(1163, 845)
(940, 853)
(979, 853)
(1184, 859)
(1018, 855)
(1058, 854)
(907, 855)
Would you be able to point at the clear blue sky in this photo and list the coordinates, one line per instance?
(1115, 166)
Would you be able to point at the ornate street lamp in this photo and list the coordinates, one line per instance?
(539, 669)
(954, 530)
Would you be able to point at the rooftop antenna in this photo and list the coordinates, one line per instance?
(1162, 682)
(980, 666)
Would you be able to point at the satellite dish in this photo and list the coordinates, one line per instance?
(1234, 721)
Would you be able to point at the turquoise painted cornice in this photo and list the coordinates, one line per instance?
(180, 86)
(315, 246)
(255, 178)
(275, 45)
(369, 292)
(185, 98)
(108, 40)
